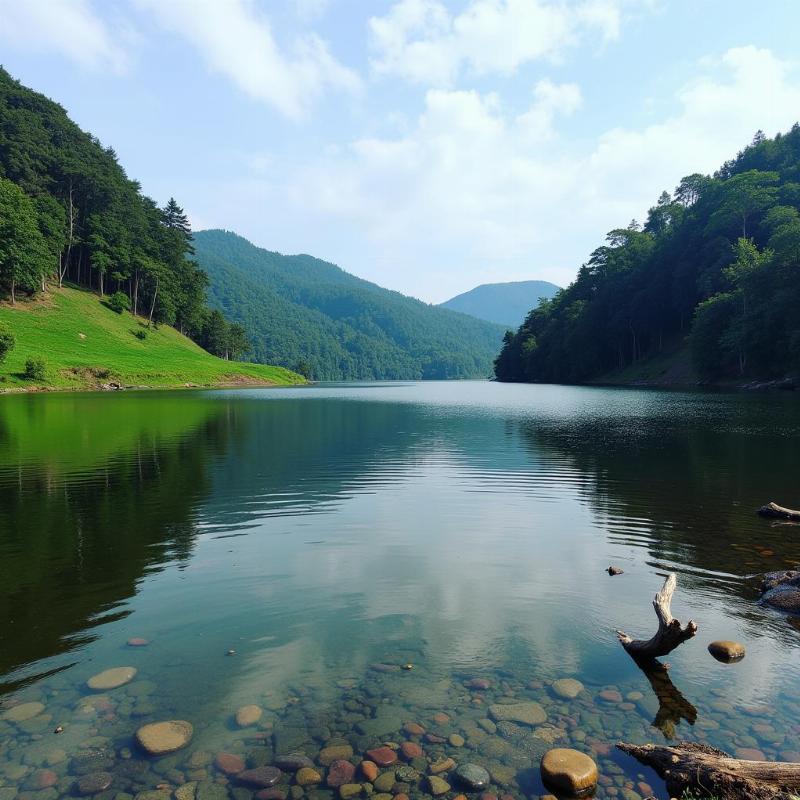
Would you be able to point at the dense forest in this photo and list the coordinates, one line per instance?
(715, 268)
(315, 318)
(68, 212)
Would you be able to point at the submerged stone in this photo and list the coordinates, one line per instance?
(248, 715)
(567, 688)
(725, 650)
(472, 775)
(291, 762)
(569, 771)
(529, 713)
(159, 738)
(23, 712)
(437, 786)
(262, 777)
(111, 678)
(94, 783)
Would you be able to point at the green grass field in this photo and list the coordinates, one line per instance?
(85, 344)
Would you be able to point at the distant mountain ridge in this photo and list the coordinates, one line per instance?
(502, 303)
(330, 325)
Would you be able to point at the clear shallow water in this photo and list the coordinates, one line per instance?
(459, 527)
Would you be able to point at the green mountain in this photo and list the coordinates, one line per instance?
(709, 285)
(504, 303)
(312, 316)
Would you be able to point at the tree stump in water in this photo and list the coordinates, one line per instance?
(774, 511)
(669, 635)
(712, 772)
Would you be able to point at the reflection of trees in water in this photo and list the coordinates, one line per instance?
(686, 489)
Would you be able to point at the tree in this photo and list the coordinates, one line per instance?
(238, 343)
(743, 196)
(23, 251)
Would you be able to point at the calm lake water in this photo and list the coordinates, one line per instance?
(329, 535)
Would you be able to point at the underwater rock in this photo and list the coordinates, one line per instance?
(567, 688)
(23, 712)
(248, 715)
(472, 775)
(569, 771)
(340, 772)
(159, 738)
(111, 678)
(93, 783)
(529, 713)
(262, 777)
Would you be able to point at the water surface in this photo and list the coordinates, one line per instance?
(329, 535)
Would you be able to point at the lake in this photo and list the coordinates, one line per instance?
(297, 549)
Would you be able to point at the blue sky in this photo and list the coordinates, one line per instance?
(426, 145)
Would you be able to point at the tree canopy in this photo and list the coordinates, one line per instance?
(716, 265)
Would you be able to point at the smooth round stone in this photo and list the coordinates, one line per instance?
(410, 750)
(479, 684)
(472, 775)
(273, 793)
(229, 763)
(23, 712)
(413, 729)
(291, 762)
(456, 740)
(137, 641)
(349, 790)
(111, 678)
(569, 771)
(567, 688)
(406, 774)
(340, 773)
(333, 753)
(437, 785)
(524, 713)
(262, 777)
(725, 650)
(248, 715)
(610, 696)
(369, 769)
(159, 738)
(382, 756)
(94, 783)
(749, 754)
(307, 776)
(442, 765)
(43, 779)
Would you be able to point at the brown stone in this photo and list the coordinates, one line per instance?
(333, 753)
(568, 771)
(229, 763)
(340, 773)
(410, 750)
(137, 641)
(369, 769)
(273, 793)
(481, 684)
(308, 776)
(442, 765)
(248, 715)
(749, 754)
(43, 779)
(413, 729)
(725, 650)
(111, 678)
(434, 739)
(159, 738)
(441, 718)
(382, 756)
(610, 696)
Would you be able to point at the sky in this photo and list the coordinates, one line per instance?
(426, 145)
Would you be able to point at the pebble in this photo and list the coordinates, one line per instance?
(569, 770)
(43, 779)
(410, 750)
(610, 696)
(340, 772)
(524, 713)
(567, 688)
(229, 763)
(273, 793)
(349, 790)
(725, 650)
(185, 792)
(481, 684)
(413, 729)
(307, 776)
(749, 754)
(473, 776)
(94, 783)
(369, 769)
(382, 756)
(333, 753)
(23, 712)
(137, 641)
(455, 740)
(262, 777)
(291, 762)
(111, 678)
(437, 785)
(248, 715)
(442, 765)
(441, 718)
(159, 738)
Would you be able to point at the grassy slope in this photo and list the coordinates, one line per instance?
(671, 368)
(79, 338)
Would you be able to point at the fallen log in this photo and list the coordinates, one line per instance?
(711, 772)
(774, 511)
(669, 634)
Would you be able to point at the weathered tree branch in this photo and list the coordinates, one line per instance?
(689, 765)
(669, 634)
(774, 511)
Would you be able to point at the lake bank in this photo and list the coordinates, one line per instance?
(85, 346)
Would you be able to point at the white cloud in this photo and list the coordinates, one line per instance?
(236, 40)
(421, 41)
(67, 27)
(475, 184)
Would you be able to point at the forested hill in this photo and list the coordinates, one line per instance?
(312, 316)
(714, 269)
(68, 212)
(504, 303)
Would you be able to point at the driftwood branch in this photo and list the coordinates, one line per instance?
(669, 634)
(704, 769)
(774, 511)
